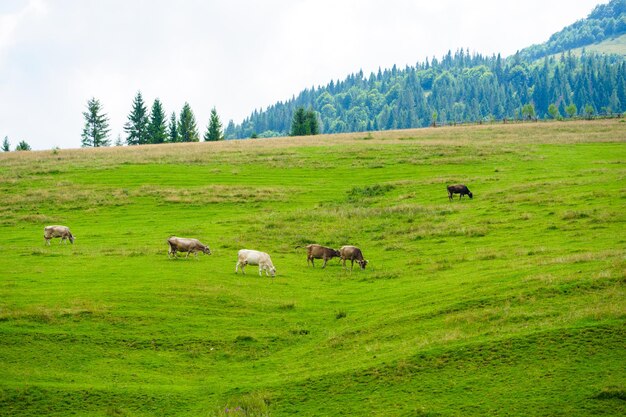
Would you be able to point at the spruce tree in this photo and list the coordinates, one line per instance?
(231, 130)
(96, 130)
(137, 125)
(6, 146)
(298, 123)
(304, 123)
(173, 129)
(187, 125)
(214, 129)
(313, 126)
(157, 130)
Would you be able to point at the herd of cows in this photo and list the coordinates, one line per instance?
(255, 257)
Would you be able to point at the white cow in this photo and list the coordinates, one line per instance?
(58, 231)
(254, 257)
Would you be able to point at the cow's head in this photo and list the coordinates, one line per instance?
(273, 271)
(72, 237)
(362, 263)
(206, 250)
(470, 195)
(336, 253)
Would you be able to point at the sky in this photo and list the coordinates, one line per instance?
(234, 55)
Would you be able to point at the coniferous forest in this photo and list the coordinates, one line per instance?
(540, 82)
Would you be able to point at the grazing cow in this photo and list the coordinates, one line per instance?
(58, 231)
(182, 244)
(459, 189)
(314, 251)
(254, 257)
(353, 254)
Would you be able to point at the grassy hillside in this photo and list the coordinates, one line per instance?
(616, 46)
(512, 303)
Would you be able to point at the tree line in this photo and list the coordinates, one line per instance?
(143, 127)
(460, 87)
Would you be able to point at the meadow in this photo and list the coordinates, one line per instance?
(511, 303)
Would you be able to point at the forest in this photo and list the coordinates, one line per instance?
(542, 81)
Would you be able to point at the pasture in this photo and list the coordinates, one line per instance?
(511, 303)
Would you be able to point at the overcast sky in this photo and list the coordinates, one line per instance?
(233, 55)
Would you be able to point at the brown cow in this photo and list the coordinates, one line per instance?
(182, 244)
(459, 189)
(314, 251)
(353, 254)
(57, 231)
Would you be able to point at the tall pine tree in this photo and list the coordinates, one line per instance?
(214, 129)
(6, 146)
(173, 129)
(187, 125)
(157, 129)
(304, 123)
(137, 125)
(96, 130)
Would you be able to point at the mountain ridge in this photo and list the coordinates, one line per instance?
(465, 87)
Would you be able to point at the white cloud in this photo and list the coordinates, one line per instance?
(10, 22)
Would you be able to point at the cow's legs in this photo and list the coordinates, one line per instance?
(325, 260)
(236, 267)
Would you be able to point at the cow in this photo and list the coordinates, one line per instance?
(314, 251)
(353, 254)
(183, 244)
(58, 231)
(254, 257)
(459, 189)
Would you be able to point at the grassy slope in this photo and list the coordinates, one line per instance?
(616, 45)
(511, 303)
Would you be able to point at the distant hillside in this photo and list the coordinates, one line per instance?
(606, 21)
(616, 46)
(465, 87)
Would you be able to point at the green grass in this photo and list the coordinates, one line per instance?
(616, 45)
(512, 303)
